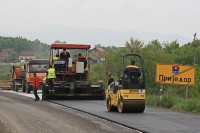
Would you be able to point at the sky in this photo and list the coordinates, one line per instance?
(178, 17)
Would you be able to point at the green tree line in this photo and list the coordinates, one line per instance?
(23, 44)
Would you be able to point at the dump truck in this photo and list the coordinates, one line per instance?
(38, 66)
(127, 94)
(72, 74)
(17, 78)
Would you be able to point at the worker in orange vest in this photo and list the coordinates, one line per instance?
(81, 58)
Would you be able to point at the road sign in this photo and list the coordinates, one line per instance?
(175, 74)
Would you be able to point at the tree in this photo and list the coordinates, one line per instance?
(134, 45)
(156, 45)
(57, 41)
(13, 56)
(171, 47)
(97, 46)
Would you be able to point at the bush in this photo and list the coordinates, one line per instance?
(189, 105)
(167, 101)
(179, 103)
(198, 107)
(152, 100)
(192, 105)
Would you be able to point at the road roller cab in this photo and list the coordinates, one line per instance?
(127, 94)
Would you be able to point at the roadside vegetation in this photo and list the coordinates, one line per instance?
(4, 72)
(174, 102)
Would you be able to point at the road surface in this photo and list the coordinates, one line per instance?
(153, 120)
(20, 114)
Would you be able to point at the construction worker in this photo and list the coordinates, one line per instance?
(75, 58)
(35, 85)
(56, 66)
(110, 78)
(81, 58)
(132, 74)
(50, 77)
(132, 68)
(56, 57)
(64, 55)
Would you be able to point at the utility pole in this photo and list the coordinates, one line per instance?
(195, 34)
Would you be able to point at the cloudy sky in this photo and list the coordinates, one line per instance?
(179, 17)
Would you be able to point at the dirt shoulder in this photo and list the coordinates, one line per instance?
(4, 128)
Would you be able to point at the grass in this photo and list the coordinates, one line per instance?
(174, 102)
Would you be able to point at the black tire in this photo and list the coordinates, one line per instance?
(27, 88)
(44, 93)
(23, 86)
(16, 88)
(13, 85)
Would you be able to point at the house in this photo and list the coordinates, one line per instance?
(3, 59)
(96, 54)
(27, 55)
(93, 59)
(4, 54)
(9, 50)
(97, 51)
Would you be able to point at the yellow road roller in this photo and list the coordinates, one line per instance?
(127, 94)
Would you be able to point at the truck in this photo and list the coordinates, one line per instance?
(22, 75)
(17, 78)
(38, 66)
(72, 75)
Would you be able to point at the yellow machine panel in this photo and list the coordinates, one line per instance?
(138, 94)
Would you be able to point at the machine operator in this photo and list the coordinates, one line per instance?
(132, 74)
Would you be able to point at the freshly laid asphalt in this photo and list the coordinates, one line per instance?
(154, 120)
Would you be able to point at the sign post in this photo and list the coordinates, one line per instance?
(186, 92)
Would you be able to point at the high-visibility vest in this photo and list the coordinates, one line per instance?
(55, 58)
(131, 66)
(51, 73)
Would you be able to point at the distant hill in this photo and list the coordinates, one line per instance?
(104, 37)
